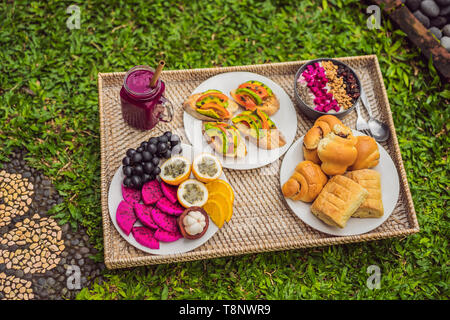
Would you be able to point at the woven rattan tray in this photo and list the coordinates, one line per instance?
(261, 220)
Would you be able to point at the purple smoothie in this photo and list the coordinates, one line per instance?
(142, 106)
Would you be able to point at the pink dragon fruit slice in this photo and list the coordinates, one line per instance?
(168, 207)
(170, 192)
(151, 192)
(131, 195)
(164, 221)
(143, 213)
(125, 217)
(166, 236)
(146, 237)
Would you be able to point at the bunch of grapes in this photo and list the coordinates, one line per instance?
(141, 165)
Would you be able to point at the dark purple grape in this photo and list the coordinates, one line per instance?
(174, 140)
(153, 140)
(152, 148)
(163, 138)
(140, 149)
(146, 156)
(137, 157)
(168, 134)
(148, 167)
(144, 145)
(176, 149)
(127, 182)
(126, 161)
(138, 170)
(162, 147)
(137, 182)
(131, 152)
(167, 154)
(127, 170)
(146, 177)
(155, 161)
(156, 171)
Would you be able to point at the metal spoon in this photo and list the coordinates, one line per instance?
(380, 130)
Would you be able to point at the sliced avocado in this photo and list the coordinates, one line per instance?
(209, 113)
(212, 90)
(269, 91)
(254, 124)
(249, 92)
(214, 99)
(212, 131)
(266, 117)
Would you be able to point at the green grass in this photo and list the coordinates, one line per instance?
(48, 99)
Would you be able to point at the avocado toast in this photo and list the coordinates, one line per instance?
(255, 95)
(211, 105)
(259, 129)
(225, 139)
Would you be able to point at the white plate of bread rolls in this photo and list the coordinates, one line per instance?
(339, 181)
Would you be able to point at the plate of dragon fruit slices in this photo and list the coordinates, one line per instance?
(147, 218)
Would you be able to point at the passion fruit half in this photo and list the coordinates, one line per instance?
(193, 223)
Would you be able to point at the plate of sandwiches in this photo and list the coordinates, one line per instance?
(244, 117)
(339, 181)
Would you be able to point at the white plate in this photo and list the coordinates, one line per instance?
(181, 245)
(390, 189)
(285, 119)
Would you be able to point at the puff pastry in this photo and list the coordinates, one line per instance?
(338, 201)
(368, 153)
(370, 180)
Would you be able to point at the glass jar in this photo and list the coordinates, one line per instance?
(143, 106)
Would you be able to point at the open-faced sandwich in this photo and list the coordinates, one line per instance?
(254, 95)
(211, 105)
(225, 139)
(259, 129)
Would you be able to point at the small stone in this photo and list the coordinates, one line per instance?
(422, 18)
(446, 30)
(413, 5)
(443, 2)
(429, 8)
(438, 22)
(445, 42)
(437, 33)
(75, 242)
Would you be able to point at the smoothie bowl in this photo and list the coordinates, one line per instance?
(326, 86)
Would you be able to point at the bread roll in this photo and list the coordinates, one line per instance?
(305, 183)
(337, 150)
(368, 153)
(338, 201)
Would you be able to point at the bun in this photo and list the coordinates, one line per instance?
(368, 153)
(337, 150)
(322, 126)
(305, 183)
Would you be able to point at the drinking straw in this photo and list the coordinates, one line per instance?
(157, 73)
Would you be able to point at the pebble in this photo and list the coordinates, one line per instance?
(422, 18)
(438, 22)
(413, 5)
(429, 8)
(445, 42)
(443, 2)
(446, 30)
(436, 32)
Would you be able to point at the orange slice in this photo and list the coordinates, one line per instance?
(224, 201)
(221, 186)
(215, 212)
